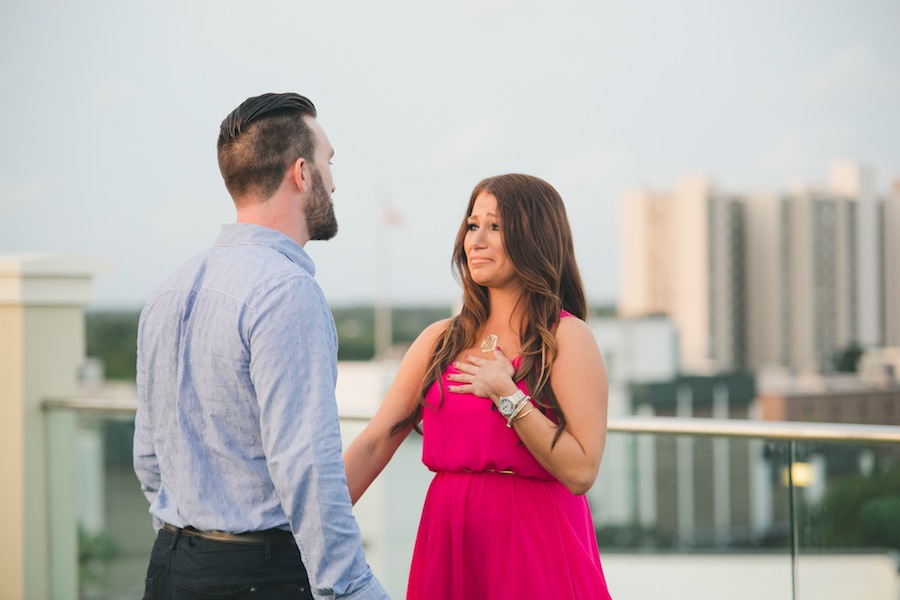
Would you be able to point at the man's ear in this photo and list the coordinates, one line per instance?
(300, 174)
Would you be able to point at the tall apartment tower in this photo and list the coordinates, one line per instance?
(890, 219)
(855, 184)
(805, 285)
(682, 253)
(761, 280)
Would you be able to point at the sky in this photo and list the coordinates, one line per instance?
(112, 109)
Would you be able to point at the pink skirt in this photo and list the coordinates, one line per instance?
(502, 536)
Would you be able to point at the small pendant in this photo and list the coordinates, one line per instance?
(488, 343)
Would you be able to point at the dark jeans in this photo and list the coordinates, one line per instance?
(190, 568)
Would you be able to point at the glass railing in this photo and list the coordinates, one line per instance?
(685, 508)
(745, 509)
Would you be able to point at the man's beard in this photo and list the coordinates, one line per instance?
(321, 222)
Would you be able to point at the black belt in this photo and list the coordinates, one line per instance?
(275, 537)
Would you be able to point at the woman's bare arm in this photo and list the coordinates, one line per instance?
(371, 450)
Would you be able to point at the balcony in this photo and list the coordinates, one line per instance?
(693, 508)
(684, 507)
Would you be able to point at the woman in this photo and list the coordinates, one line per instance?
(511, 396)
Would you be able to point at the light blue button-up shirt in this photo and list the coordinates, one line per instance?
(237, 426)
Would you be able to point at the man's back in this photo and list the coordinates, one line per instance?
(237, 426)
(195, 370)
(237, 444)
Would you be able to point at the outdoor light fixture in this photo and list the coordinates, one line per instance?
(802, 473)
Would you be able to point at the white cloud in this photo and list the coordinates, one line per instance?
(492, 8)
(24, 193)
(803, 155)
(579, 178)
(593, 165)
(851, 70)
(111, 93)
(467, 143)
(788, 155)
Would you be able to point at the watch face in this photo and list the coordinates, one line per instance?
(507, 405)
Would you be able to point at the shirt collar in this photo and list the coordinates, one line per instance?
(237, 234)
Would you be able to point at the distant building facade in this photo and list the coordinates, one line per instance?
(682, 257)
(721, 487)
(756, 281)
(890, 220)
(641, 350)
(870, 397)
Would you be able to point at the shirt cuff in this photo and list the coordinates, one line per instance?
(372, 590)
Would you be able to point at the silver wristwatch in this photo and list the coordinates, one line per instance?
(507, 404)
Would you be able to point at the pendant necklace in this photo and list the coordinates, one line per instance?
(489, 342)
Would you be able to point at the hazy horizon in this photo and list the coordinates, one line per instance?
(113, 111)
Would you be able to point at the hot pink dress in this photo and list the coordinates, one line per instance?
(485, 533)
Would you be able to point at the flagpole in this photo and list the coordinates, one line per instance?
(383, 310)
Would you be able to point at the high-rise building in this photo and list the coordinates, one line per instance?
(682, 257)
(804, 279)
(785, 279)
(856, 183)
(890, 219)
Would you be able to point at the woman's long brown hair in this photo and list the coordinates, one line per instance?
(538, 241)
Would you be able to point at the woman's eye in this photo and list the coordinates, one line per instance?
(471, 227)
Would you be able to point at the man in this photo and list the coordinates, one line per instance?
(237, 445)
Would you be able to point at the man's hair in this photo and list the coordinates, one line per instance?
(260, 139)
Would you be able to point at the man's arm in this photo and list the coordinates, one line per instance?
(293, 367)
(146, 464)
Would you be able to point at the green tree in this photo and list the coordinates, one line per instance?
(847, 360)
(111, 336)
(860, 511)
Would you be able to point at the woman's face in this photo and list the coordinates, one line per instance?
(486, 257)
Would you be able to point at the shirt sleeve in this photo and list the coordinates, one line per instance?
(146, 464)
(293, 367)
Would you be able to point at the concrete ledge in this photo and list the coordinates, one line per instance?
(48, 279)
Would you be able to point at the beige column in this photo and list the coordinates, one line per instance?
(42, 297)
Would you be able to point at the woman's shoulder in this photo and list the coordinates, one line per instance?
(572, 328)
(577, 344)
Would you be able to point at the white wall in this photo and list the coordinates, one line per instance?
(635, 350)
(638, 350)
(750, 577)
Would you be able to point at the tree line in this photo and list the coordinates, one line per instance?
(111, 335)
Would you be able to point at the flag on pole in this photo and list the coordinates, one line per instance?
(389, 215)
